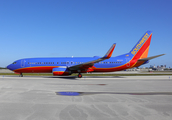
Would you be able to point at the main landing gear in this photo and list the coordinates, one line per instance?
(79, 75)
(21, 75)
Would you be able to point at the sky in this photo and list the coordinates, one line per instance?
(83, 28)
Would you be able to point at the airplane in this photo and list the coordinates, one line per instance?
(62, 66)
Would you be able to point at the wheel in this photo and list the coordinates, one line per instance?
(21, 75)
(79, 75)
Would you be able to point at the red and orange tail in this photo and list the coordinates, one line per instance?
(141, 49)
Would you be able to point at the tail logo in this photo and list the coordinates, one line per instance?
(139, 45)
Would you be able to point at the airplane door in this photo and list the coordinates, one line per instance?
(23, 63)
(128, 62)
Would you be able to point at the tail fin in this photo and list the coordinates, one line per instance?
(141, 49)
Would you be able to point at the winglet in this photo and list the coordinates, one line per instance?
(110, 51)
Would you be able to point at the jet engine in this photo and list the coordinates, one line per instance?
(61, 71)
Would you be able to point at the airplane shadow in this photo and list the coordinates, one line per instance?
(76, 78)
(70, 93)
(63, 77)
(68, 77)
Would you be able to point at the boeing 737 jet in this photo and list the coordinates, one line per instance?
(66, 66)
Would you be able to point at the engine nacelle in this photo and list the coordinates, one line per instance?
(60, 71)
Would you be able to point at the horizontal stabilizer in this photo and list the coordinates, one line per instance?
(149, 58)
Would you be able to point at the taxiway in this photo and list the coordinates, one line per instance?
(97, 98)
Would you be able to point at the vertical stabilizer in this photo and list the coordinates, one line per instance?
(141, 49)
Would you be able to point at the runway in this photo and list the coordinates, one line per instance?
(88, 98)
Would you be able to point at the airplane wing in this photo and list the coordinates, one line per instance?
(91, 63)
(149, 58)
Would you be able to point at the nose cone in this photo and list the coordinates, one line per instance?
(9, 67)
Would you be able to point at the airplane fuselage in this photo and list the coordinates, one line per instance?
(46, 65)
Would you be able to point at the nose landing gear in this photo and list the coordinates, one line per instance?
(21, 75)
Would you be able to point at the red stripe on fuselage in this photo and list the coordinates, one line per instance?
(37, 69)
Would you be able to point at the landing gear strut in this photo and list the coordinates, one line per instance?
(21, 75)
(79, 75)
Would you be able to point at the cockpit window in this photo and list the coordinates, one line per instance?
(14, 62)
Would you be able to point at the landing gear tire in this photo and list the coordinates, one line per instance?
(21, 75)
(79, 75)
